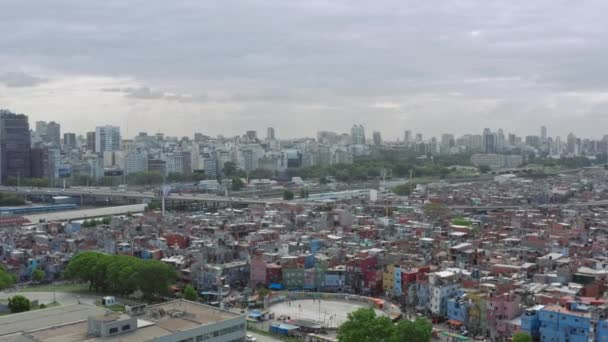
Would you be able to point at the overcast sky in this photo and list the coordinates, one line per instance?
(301, 66)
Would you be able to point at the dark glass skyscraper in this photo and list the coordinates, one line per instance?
(15, 149)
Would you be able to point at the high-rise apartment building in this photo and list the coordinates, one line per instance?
(107, 138)
(15, 149)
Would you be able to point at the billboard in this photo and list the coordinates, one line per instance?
(112, 173)
(64, 171)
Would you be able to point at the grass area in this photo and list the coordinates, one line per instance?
(69, 288)
(117, 307)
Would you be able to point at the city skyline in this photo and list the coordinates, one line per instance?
(389, 65)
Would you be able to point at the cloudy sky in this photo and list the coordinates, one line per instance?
(301, 66)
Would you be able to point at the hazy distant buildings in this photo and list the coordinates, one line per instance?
(357, 134)
(15, 153)
(489, 141)
(91, 141)
(496, 161)
(377, 137)
(270, 133)
(107, 138)
(69, 140)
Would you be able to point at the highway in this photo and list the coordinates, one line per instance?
(84, 191)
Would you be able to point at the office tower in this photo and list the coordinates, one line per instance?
(107, 138)
(500, 140)
(91, 141)
(407, 136)
(543, 133)
(270, 133)
(41, 128)
(15, 153)
(357, 134)
(69, 140)
(53, 134)
(418, 137)
(489, 141)
(40, 164)
(377, 138)
(572, 144)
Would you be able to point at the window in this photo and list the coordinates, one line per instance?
(113, 330)
(126, 327)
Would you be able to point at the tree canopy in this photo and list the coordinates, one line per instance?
(288, 195)
(190, 293)
(121, 274)
(19, 303)
(38, 275)
(522, 337)
(6, 279)
(365, 325)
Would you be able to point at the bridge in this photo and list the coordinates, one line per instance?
(136, 195)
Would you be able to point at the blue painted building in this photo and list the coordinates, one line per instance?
(530, 321)
(458, 309)
(561, 325)
(397, 289)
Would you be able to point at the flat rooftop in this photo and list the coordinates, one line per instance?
(70, 324)
(45, 318)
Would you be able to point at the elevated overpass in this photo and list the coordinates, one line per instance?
(135, 195)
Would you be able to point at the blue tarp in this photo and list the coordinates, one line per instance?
(275, 286)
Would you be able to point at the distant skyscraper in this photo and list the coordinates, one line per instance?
(15, 149)
(489, 141)
(270, 133)
(357, 134)
(53, 134)
(107, 138)
(418, 137)
(543, 133)
(69, 140)
(41, 128)
(377, 138)
(407, 136)
(91, 141)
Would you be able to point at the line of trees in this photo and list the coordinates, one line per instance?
(10, 199)
(121, 274)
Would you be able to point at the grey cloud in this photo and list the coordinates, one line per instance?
(20, 79)
(313, 57)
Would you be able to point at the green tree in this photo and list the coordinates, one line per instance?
(237, 184)
(190, 293)
(402, 189)
(38, 275)
(19, 303)
(304, 193)
(364, 325)
(10, 200)
(436, 211)
(260, 174)
(484, 168)
(419, 330)
(521, 337)
(106, 220)
(229, 169)
(6, 279)
(288, 195)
